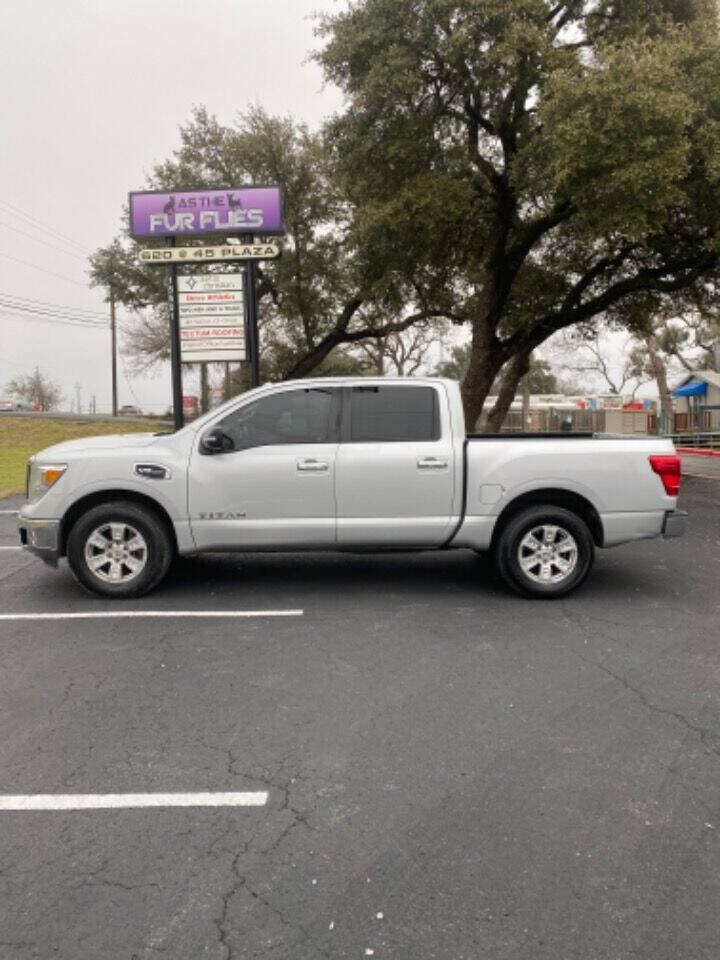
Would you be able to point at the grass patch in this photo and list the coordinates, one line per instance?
(21, 437)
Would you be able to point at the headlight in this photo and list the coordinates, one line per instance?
(42, 477)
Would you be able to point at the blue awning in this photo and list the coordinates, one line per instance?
(696, 389)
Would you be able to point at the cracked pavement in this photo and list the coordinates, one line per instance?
(496, 778)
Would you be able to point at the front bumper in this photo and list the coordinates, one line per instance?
(41, 537)
(675, 523)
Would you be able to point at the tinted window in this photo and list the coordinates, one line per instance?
(297, 416)
(394, 413)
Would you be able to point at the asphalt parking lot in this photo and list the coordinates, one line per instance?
(451, 772)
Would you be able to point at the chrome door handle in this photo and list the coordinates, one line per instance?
(432, 463)
(313, 466)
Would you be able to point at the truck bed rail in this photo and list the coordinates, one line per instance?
(532, 436)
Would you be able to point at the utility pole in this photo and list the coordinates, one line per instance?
(113, 340)
(78, 388)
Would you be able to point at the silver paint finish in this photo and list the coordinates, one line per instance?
(404, 494)
(547, 554)
(116, 552)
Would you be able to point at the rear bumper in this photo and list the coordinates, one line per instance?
(675, 523)
(41, 537)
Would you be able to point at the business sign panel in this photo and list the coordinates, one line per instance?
(230, 251)
(195, 212)
(212, 317)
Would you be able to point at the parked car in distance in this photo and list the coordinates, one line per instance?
(8, 403)
(352, 464)
(129, 410)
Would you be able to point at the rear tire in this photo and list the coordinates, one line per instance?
(119, 549)
(544, 552)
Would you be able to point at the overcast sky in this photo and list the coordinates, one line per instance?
(93, 94)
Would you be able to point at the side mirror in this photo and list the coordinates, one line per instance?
(216, 441)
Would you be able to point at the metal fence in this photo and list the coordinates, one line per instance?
(703, 441)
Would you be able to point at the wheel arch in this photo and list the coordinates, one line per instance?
(90, 500)
(557, 497)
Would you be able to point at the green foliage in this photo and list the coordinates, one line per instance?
(457, 366)
(520, 167)
(322, 293)
(117, 269)
(541, 376)
(555, 163)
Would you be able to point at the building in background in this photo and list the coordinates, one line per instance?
(697, 402)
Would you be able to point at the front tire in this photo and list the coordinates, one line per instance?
(545, 552)
(119, 549)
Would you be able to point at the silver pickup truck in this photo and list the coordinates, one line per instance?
(349, 464)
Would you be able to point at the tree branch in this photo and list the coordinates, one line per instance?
(666, 279)
(535, 229)
(340, 334)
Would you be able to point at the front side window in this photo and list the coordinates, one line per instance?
(295, 416)
(393, 413)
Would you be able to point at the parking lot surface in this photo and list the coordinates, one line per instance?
(450, 771)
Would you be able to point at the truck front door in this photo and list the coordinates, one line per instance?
(395, 483)
(271, 482)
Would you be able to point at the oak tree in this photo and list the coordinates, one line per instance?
(553, 162)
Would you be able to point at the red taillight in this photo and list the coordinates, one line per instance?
(669, 470)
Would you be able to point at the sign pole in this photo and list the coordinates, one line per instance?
(252, 323)
(174, 315)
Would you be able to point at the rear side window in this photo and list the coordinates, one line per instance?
(384, 414)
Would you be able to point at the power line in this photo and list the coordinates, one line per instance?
(51, 273)
(63, 307)
(33, 221)
(44, 312)
(69, 323)
(67, 253)
(15, 313)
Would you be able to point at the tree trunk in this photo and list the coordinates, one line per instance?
(486, 359)
(380, 357)
(517, 368)
(526, 400)
(659, 371)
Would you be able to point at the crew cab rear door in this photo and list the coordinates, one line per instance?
(395, 469)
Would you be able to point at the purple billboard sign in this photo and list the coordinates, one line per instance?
(190, 212)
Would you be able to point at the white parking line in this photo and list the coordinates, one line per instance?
(119, 801)
(10, 548)
(105, 614)
(8, 513)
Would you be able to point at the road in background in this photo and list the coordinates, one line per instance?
(701, 464)
(452, 772)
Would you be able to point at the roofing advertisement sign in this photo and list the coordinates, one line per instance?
(196, 212)
(212, 317)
